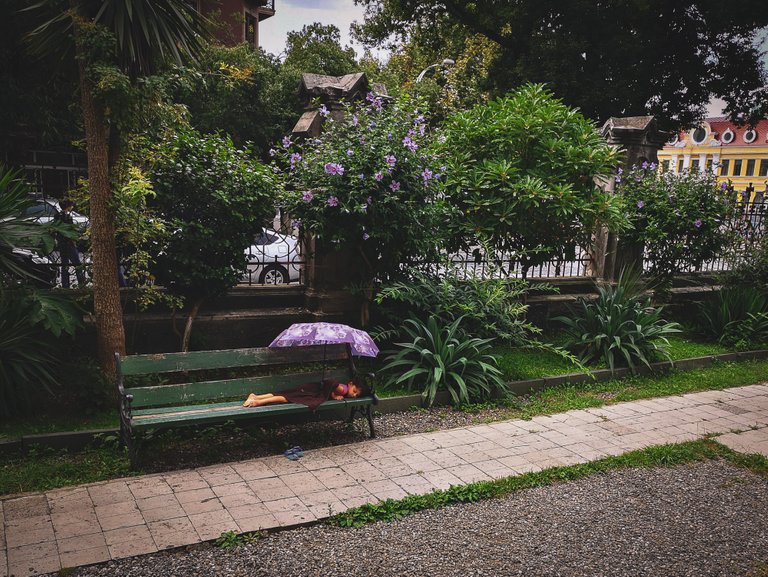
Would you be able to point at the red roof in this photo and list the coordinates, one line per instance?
(719, 124)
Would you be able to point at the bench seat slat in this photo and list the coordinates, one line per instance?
(151, 418)
(202, 360)
(160, 395)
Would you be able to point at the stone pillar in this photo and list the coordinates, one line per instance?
(641, 139)
(330, 271)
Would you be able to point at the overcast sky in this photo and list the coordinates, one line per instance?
(295, 14)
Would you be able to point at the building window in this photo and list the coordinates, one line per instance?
(673, 140)
(709, 165)
(699, 135)
(750, 167)
(694, 165)
(728, 136)
(724, 166)
(665, 165)
(250, 28)
(680, 165)
(737, 167)
(764, 167)
(750, 136)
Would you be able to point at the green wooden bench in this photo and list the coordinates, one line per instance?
(198, 401)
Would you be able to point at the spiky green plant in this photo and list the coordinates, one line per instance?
(735, 316)
(620, 326)
(441, 357)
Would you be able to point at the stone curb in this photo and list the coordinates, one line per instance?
(78, 440)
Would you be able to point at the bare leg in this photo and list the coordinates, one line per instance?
(260, 400)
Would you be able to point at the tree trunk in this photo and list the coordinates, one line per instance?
(188, 329)
(110, 333)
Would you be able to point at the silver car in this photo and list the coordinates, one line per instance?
(273, 258)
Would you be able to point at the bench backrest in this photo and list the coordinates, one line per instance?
(196, 390)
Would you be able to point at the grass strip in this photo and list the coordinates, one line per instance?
(658, 456)
(43, 469)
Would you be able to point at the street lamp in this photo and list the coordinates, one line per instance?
(446, 63)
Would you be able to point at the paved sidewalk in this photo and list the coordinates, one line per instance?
(70, 527)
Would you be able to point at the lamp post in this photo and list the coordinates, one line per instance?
(446, 63)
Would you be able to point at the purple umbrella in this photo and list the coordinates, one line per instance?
(304, 334)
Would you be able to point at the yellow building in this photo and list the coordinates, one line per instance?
(739, 155)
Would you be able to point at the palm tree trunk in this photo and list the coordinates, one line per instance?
(106, 291)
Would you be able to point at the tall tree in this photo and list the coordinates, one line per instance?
(110, 38)
(608, 57)
(317, 48)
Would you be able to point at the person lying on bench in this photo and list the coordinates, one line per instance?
(310, 394)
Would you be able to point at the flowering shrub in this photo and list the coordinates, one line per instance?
(366, 182)
(677, 217)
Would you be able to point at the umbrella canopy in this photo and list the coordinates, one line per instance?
(304, 334)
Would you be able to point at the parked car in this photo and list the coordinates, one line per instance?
(45, 209)
(273, 258)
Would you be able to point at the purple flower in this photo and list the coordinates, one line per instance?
(286, 141)
(272, 152)
(422, 129)
(333, 201)
(354, 120)
(371, 125)
(723, 185)
(419, 119)
(324, 111)
(378, 103)
(394, 185)
(295, 157)
(638, 178)
(378, 176)
(645, 165)
(410, 144)
(369, 201)
(350, 152)
(697, 223)
(370, 97)
(426, 175)
(653, 166)
(617, 178)
(390, 160)
(366, 236)
(640, 204)
(307, 196)
(296, 223)
(334, 168)
(619, 170)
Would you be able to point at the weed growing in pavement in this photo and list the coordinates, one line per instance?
(231, 540)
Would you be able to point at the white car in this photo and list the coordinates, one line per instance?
(273, 258)
(45, 209)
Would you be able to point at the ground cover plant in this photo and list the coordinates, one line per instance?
(199, 447)
(735, 316)
(439, 357)
(620, 327)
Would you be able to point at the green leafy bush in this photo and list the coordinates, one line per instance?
(214, 199)
(678, 218)
(520, 170)
(620, 327)
(32, 325)
(490, 307)
(752, 269)
(440, 357)
(735, 317)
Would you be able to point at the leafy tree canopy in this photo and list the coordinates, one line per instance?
(609, 58)
(317, 49)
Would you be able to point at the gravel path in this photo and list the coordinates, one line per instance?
(707, 519)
